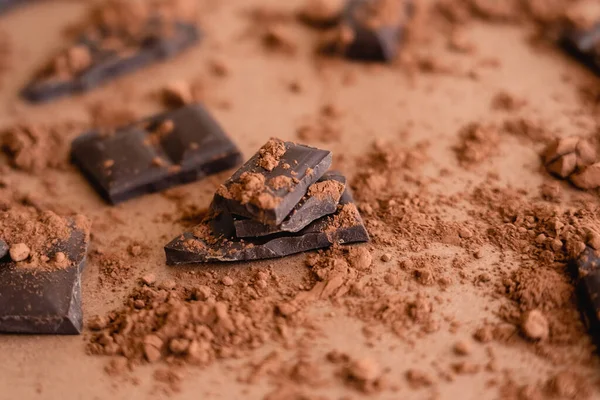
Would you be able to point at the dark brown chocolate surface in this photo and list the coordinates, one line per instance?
(154, 154)
(39, 301)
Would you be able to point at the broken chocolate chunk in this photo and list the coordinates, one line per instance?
(5, 5)
(587, 275)
(372, 30)
(272, 182)
(321, 199)
(214, 239)
(121, 38)
(3, 249)
(154, 154)
(44, 301)
(581, 39)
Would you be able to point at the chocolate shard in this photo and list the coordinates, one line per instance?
(38, 301)
(97, 63)
(321, 199)
(214, 240)
(376, 28)
(154, 154)
(272, 182)
(3, 249)
(587, 275)
(583, 43)
(5, 5)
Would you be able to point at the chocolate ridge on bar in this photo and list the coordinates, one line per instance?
(312, 207)
(108, 64)
(272, 182)
(583, 44)
(155, 153)
(214, 240)
(39, 301)
(377, 28)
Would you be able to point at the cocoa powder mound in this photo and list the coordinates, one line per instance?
(477, 143)
(33, 148)
(31, 235)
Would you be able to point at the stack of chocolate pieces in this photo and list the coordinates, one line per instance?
(281, 202)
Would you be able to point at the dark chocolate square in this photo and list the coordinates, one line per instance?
(40, 301)
(263, 200)
(139, 159)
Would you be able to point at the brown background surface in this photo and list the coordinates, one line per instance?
(383, 103)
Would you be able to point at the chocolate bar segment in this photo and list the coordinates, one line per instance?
(214, 240)
(3, 249)
(108, 49)
(154, 154)
(375, 28)
(44, 301)
(587, 275)
(321, 199)
(272, 182)
(583, 43)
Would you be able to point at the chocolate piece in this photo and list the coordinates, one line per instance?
(321, 199)
(3, 249)
(375, 28)
(272, 182)
(154, 154)
(583, 44)
(214, 240)
(34, 300)
(5, 5)
(587, 275)
(106, 64)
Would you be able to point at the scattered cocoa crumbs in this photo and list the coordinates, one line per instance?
(33, 148)
(179, 93)
(32, 234)
(271, 153)
(477, 143)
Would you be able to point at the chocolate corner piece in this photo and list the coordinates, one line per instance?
(584, 45)
(44, 302)
(343, 227)
(107, 65)
(159, 152)
(310, 208)
(299, 165)
(379, 41)
(586, 270)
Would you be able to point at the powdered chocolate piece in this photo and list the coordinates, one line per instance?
(376, 28)
(169, 149)
(322, 199)
(584, 44)
(214, 240)
(41, 301)
(94, 60)
(3, 249)
(272, 182)
(587, 271)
